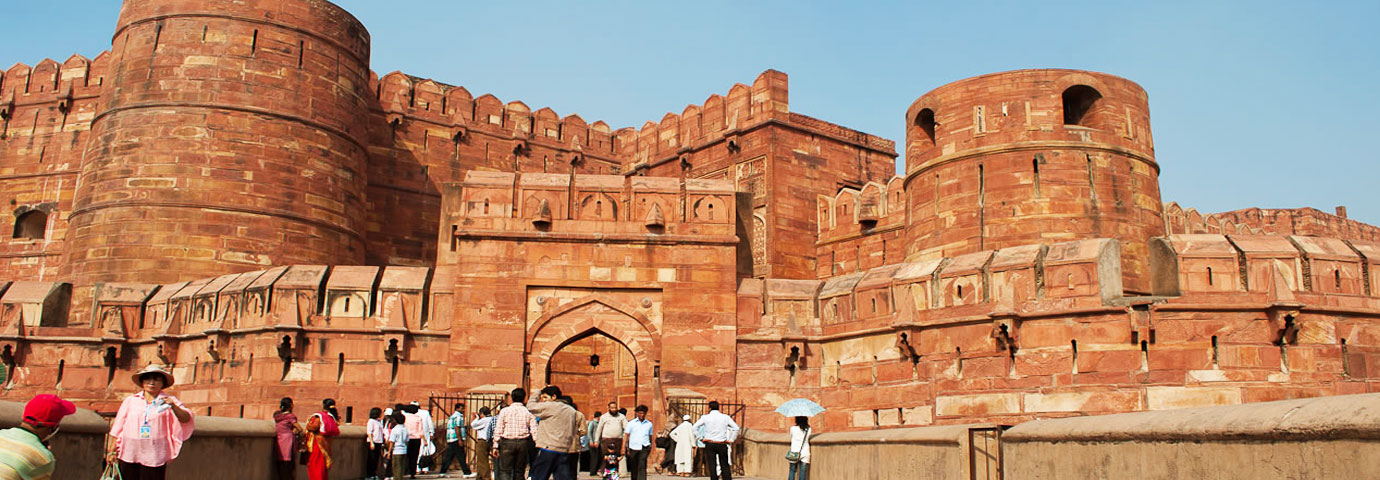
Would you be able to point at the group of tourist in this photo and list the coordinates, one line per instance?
(548, 438)
(146, 433)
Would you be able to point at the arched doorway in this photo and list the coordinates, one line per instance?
(561, 342)
(595, 369)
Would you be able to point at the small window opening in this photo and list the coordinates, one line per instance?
(1214, 352)
(486, 206)
(340, 369)
(1144, 356)
(874, 305)
(925, 120)
(62, 364)
(1209, 269)
(393, 376)
(254, 42)
(960, 292)
(1035, 166)
(958, 361)
(241, 411)
(1079, 101)
(1073, 345)
(1337, 279)
(1346, 360)
(31, 225)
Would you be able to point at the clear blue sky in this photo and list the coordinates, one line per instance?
(1258, 103)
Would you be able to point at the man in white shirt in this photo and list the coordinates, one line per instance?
(428, 435)
(719, 432)
(638, 438)
(482, 435)
(611, 427)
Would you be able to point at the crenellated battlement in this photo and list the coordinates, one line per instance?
(458, 113)
(1268, 221)
(719, 115)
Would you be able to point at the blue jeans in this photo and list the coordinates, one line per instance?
(799, 471)
(548, 464)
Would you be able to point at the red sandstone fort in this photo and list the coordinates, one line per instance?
(232, 191)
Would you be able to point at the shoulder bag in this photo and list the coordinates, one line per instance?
(793, 456)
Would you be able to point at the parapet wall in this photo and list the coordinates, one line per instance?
(220, 448)
(1330, 437)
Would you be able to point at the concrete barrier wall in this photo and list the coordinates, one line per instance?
(1326, 437)
(910, 453)
(221, 448)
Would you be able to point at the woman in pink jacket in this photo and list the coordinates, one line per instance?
(150, 427)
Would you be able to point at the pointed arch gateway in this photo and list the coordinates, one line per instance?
(593, 316)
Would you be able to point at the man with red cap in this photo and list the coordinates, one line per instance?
(24, 453)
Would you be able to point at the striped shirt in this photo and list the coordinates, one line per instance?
(515, 421)
(23, 456)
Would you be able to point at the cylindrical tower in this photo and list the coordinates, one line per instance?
(1033, 156)
(230, 137)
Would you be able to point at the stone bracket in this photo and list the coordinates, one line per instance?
(905, 344)
(167, 348)
(394, 344)
(1283, 317)
(1142, 325)
(795, 352)
(1004, 333)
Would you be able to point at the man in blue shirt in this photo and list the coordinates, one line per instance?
(638, 441)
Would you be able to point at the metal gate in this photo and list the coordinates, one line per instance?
(442, 405)
(984, 453)
(697, 406)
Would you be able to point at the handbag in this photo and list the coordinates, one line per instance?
(793, 456)
(663, 442)
(111, 472)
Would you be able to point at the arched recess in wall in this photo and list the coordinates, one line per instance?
(31, 225)
(925, 120)
(1079, 103)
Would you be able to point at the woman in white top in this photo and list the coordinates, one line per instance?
(800, 442)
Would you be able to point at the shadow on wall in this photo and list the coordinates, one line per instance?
(221, 448)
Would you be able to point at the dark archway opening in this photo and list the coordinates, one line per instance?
(31, 225)
(925, 120)
(594, 369)
(1079, 101)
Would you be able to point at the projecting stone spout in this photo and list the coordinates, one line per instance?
(654, 217)
(543, 217)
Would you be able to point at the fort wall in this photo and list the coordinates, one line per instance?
(1043, 330)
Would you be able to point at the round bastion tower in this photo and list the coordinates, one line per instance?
(1033, 156)
(230, 137)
